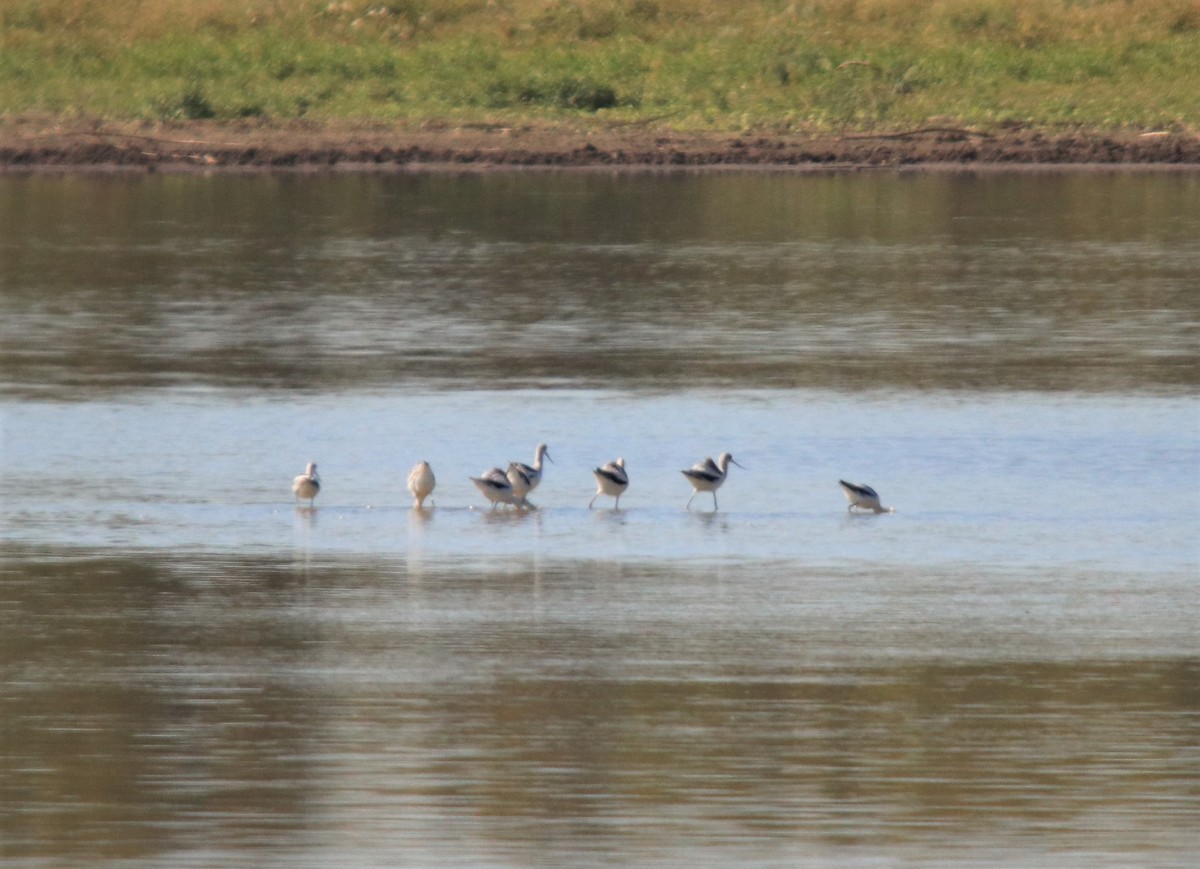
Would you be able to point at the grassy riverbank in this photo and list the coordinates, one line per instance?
(688, 65)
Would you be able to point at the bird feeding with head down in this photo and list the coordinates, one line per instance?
(308, 484)
(611, 480)
(421, 483)
(862, 496)
(497, 488)
(521, 482)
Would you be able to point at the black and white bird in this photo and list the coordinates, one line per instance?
(534, 471)
(864, 497)
(611, 480)
(521, 482)
(707, 476)
(495, 487)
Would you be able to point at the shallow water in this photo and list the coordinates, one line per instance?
(632, 282)
(1004, 672)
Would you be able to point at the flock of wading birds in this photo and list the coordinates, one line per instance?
(511, 487)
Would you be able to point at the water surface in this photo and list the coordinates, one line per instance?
(196, 671)
(842, 282)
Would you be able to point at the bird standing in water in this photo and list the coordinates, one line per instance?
(707, 476)
(521, 482)
(421, 482)
(495, 486)
(308, 484)
(864, 497)
(533, 472)
(610, 480)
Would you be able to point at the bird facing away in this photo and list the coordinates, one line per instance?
(308, 484)
(611, 480)
(495, 486)
(707, 476)
(421, 482)
(864, 497)
(534, 471)
(521, 482)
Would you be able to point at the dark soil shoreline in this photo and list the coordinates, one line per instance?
(34, 146)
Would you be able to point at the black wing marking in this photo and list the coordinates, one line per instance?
(860, 489)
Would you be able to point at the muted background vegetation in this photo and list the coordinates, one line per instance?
(690, 64)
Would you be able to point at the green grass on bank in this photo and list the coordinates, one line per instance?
(690, 64)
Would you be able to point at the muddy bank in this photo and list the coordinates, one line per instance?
(33, 146)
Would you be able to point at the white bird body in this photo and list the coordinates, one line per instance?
(864, 497)
(707, 476)
(534, 471)
(521, 482)
(421, 483)
(611, 480)
(308, 484)
(495, 486)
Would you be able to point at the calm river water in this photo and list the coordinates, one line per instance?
(195, 671)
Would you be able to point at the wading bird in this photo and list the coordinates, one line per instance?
(863, 496)
(534, 471)
(610, 480)
(421, 482)
(707, 476)
(496, 487)
(521, 482)
(308, 484)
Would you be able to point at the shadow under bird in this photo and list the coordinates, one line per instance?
(707, 476)
(611, 480)
(308, 484)
(864, 497)
(421, 483)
